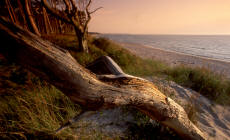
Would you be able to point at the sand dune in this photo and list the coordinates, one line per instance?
(213, 119)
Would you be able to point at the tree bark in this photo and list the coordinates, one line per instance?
(31, 19)
(58, 67)
(11, 12)
(22, 14)
(47, 29)
(82, 41)
(60, 26)
(74, 16)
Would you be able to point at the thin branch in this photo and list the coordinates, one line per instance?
(88, 16)
(68, 8)
(96, 10)
(57, 13)
(74, 7)
(87, 7)
(75, 10)
(31, 18)
(11, 11)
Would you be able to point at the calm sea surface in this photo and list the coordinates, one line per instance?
(210, 46)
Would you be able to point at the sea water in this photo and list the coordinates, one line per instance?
(209, 46)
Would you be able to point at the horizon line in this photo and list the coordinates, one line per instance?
(165, 34)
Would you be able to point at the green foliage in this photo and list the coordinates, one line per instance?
(129, 62)
(86, 58)
(209, 84)
(29, 107)
(202, 80)
(34, 113)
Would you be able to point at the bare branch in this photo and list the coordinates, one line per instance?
(74, 5)
(96, 10)
(57, 13)
(88, 16)
(68, 7)
(87, 7)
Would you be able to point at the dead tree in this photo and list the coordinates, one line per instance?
(24, 23)
(48, 27)
(11, 12)
(77, 14)
(59, 68)
(31, 18)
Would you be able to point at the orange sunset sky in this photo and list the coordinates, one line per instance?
(162, 16)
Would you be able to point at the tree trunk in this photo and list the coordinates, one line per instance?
(47, 30)
(22, 14)
(11, 12)
(31, 19)
(60, 26)
(48, 27)
(82, 41)
(58, 67)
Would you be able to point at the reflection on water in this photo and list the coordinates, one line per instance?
(211, 46)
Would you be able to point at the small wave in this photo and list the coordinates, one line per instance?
(214, 47)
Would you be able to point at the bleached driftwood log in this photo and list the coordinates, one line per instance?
(59, 68)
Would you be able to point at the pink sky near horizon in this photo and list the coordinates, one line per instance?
(162, 17)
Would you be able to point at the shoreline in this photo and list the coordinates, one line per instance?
(176, 58)
(180, 53)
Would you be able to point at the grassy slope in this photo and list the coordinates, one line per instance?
(209, 84)
(30, 107)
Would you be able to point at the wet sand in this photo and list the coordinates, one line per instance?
(174, 58)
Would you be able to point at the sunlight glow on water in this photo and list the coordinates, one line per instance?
(210, 46)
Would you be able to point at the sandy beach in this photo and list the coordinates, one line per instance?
(213, 119)
(174, 58)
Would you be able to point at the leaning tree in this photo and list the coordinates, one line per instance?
(21, 13)
(75, 12)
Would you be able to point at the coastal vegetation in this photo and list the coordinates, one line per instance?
(28, 102)
(32, 108)
(214, 86)
(26, 99)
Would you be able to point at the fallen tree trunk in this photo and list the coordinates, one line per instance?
(59, 68)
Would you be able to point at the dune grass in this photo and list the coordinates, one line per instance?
(31, 108)
(35, 113)
(212, 85)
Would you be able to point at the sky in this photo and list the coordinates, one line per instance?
(161, 16)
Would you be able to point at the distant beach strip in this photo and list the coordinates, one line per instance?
(174, 58)
(208, 51)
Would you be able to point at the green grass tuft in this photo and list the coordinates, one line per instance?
(31, 108)
(207, 83)
(213, 86)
